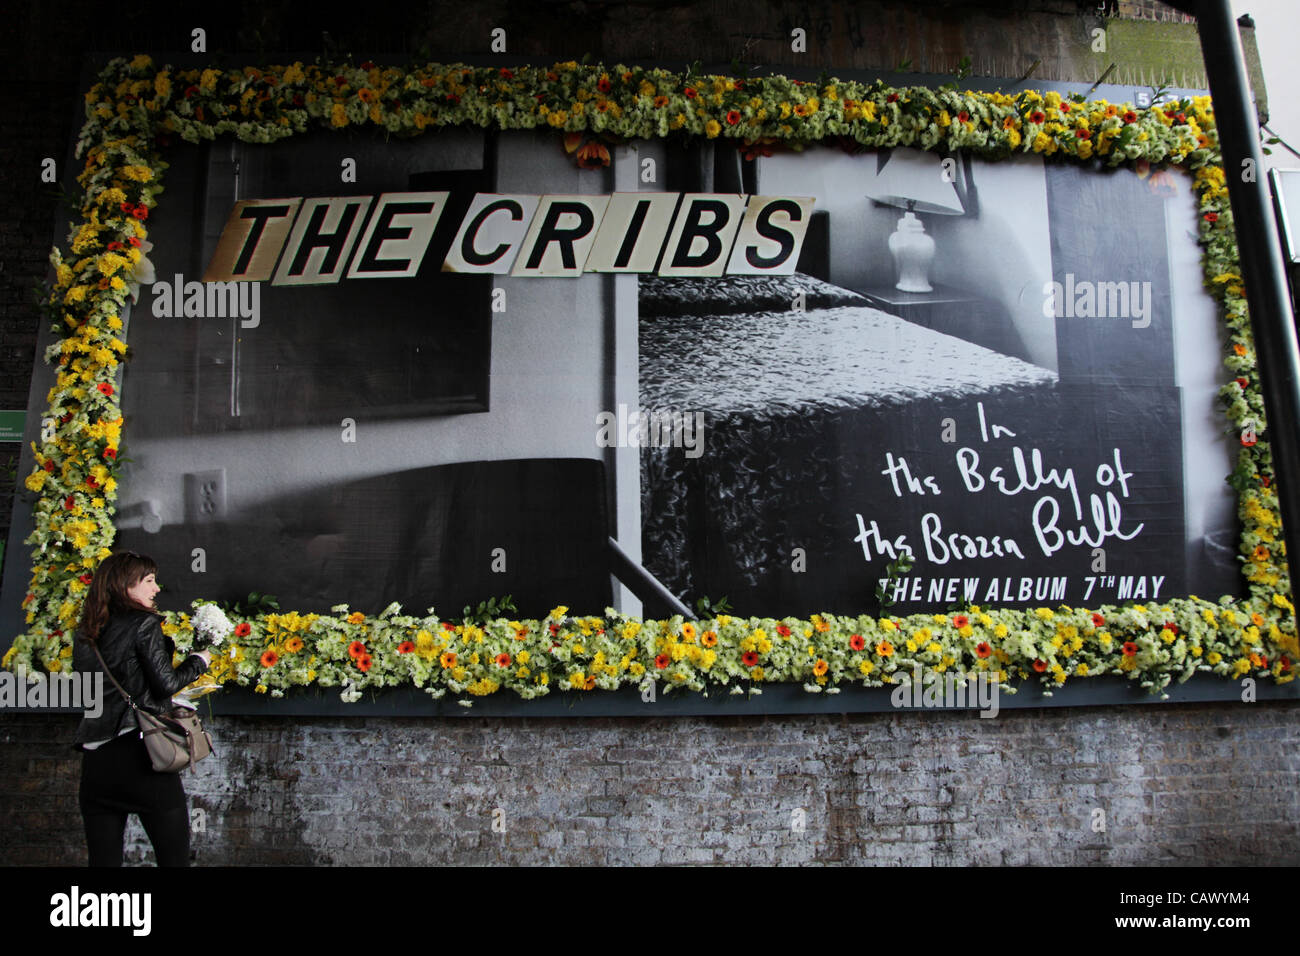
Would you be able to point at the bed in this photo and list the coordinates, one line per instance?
(799, 409)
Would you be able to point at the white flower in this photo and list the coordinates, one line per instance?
(211, 623)
(142, 273)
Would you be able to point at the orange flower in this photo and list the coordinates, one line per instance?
(293, 645)
(749, 659)
(363, 663)
(885, 649)
(270, 658)
(857, 642)
(243, 629)
(447, 660)
(366, 95)
(821, 667)
(960, 620)
(1261, 553)
(592, 156)
(356, 649)
(503, 660)
(1257, 619)
(1039, 665)
(662, 661)
(1239, 348)
(405, 647)
(709, 639)
(983, 650)
(591, 682)
(356, 617)
(1130, 649)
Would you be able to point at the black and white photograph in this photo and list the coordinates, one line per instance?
(648, 434)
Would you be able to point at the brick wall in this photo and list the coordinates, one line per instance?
(1178, 784)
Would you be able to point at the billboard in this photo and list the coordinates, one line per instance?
(870, 384)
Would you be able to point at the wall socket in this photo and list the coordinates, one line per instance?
(205, 496)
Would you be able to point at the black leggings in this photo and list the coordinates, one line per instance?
(169, 832)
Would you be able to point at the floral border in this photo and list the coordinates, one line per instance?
(135, 111)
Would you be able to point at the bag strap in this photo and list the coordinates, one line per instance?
(95, 647)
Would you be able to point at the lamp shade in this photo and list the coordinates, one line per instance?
(917, 181)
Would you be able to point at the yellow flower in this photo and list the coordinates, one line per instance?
(339, 115)
(866, 667)
(712, 128)
(821, 667)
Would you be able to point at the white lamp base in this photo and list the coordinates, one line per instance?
(913, 253)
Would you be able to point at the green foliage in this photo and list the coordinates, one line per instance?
(893, 571)
(489, 610)
(256, 603)
(706, 607)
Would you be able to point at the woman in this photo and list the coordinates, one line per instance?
(119, 619)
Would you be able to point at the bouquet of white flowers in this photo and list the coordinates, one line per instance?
(211, 626)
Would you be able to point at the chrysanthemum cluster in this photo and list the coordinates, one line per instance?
(135, 110)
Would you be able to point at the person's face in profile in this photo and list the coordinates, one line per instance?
(144, 591)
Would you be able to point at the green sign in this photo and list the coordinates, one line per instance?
(12, 425)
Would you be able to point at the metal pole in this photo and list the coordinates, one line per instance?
(1271, 321)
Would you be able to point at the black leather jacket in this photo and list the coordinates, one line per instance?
(139, 655)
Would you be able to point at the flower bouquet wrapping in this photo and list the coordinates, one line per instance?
(211, 627)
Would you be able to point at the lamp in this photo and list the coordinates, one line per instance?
(918, 182)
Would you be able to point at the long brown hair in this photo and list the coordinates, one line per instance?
(108, 588)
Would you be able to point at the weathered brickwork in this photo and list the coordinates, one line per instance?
(1178, 785)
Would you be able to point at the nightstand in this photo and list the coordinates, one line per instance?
(953, 312)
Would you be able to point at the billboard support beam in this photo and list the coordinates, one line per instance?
(1276, 351)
